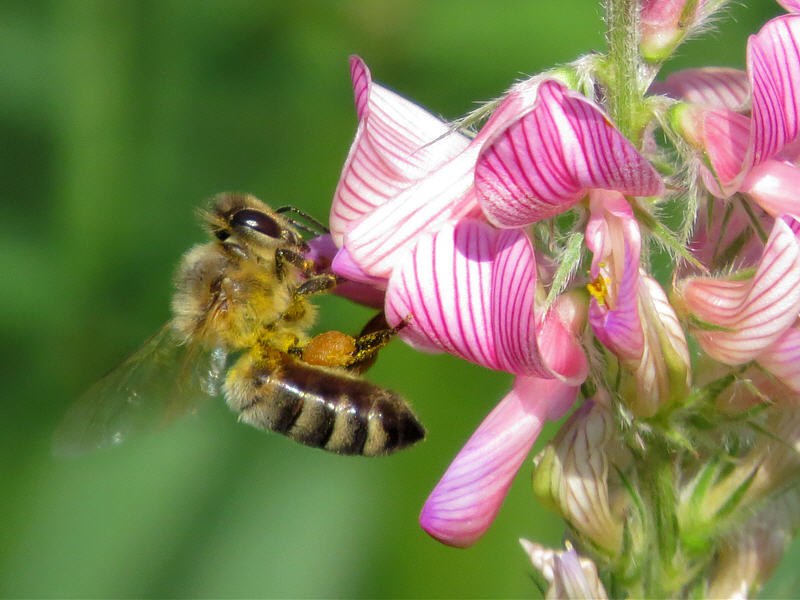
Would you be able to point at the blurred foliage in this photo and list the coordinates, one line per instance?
(117, 120)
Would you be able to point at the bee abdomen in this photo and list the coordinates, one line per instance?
(323, 408)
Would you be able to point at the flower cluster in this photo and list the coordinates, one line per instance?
(529, 245)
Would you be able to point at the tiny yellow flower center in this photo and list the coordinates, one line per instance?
(598, 288)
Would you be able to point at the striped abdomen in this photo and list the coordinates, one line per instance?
(320, 407)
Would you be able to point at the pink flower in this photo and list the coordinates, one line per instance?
(545, 162)
(469, 290)
(741, 320)
(665, 23)
(410, 214)
(612, 235)
(750, 154)
(407, 172)
(630, 313)
(790, 5)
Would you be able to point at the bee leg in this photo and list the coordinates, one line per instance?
(318, 284)
(317, 226)
(355, 354)
(299, 306)
(287, 256)
(374, 336)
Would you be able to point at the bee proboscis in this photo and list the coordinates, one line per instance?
(241, 315)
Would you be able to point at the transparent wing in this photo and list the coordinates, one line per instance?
(162, 380)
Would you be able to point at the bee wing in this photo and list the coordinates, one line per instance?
(162, 380)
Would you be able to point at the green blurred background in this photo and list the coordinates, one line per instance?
(117, 119)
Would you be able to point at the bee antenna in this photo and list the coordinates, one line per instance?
(302, 227)
(317, 226)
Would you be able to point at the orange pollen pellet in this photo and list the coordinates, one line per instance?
(330, 349)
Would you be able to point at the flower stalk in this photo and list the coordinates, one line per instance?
(624, 88)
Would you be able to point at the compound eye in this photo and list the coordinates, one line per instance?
(257, 221)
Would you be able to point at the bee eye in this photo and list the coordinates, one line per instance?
(257, 221)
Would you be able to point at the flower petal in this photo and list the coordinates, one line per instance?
(570, 576)
(754, 313)
(379, 239)
(782, 359)
(790, 5)
(663, 375)
(543, 163)
(444, 194)
(728, 239)
(469, 290)
(344, 266)
(773, 64)
(613, 236)
(464, 503)
(714, 87)
(557, 334)
(396, 144)
(726, 141)
(773, 184)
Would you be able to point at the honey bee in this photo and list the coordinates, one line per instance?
(243, 300)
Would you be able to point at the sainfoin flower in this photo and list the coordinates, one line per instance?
(741, 320)
(547, 245)
(414, 211)
(752, 154)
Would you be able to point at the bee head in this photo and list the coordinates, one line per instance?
(243, 220)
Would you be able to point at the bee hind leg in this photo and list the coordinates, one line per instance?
(374, 336)
(354, 354)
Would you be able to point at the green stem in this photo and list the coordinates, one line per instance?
(662, 498)
(623, 62)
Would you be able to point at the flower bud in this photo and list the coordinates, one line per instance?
(687, 120)
(664, 24)
(571, 477)
(748, 557)
(662, 376)
(569, 575)
(727, 485)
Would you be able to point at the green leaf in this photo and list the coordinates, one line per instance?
(570, 260)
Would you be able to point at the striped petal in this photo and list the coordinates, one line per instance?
(445, 194)
(466, 500)
(568, 574)
(726, 140)
(790, 5)
(728, 239)
(396, 144)
(773, 64)
(754, 313)
(469, 290)
(344, 266)
(714, 87)
(612, 235)
(378, 240)
(782, 359)
(773, 185)
(543, 163)
(663, 374)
